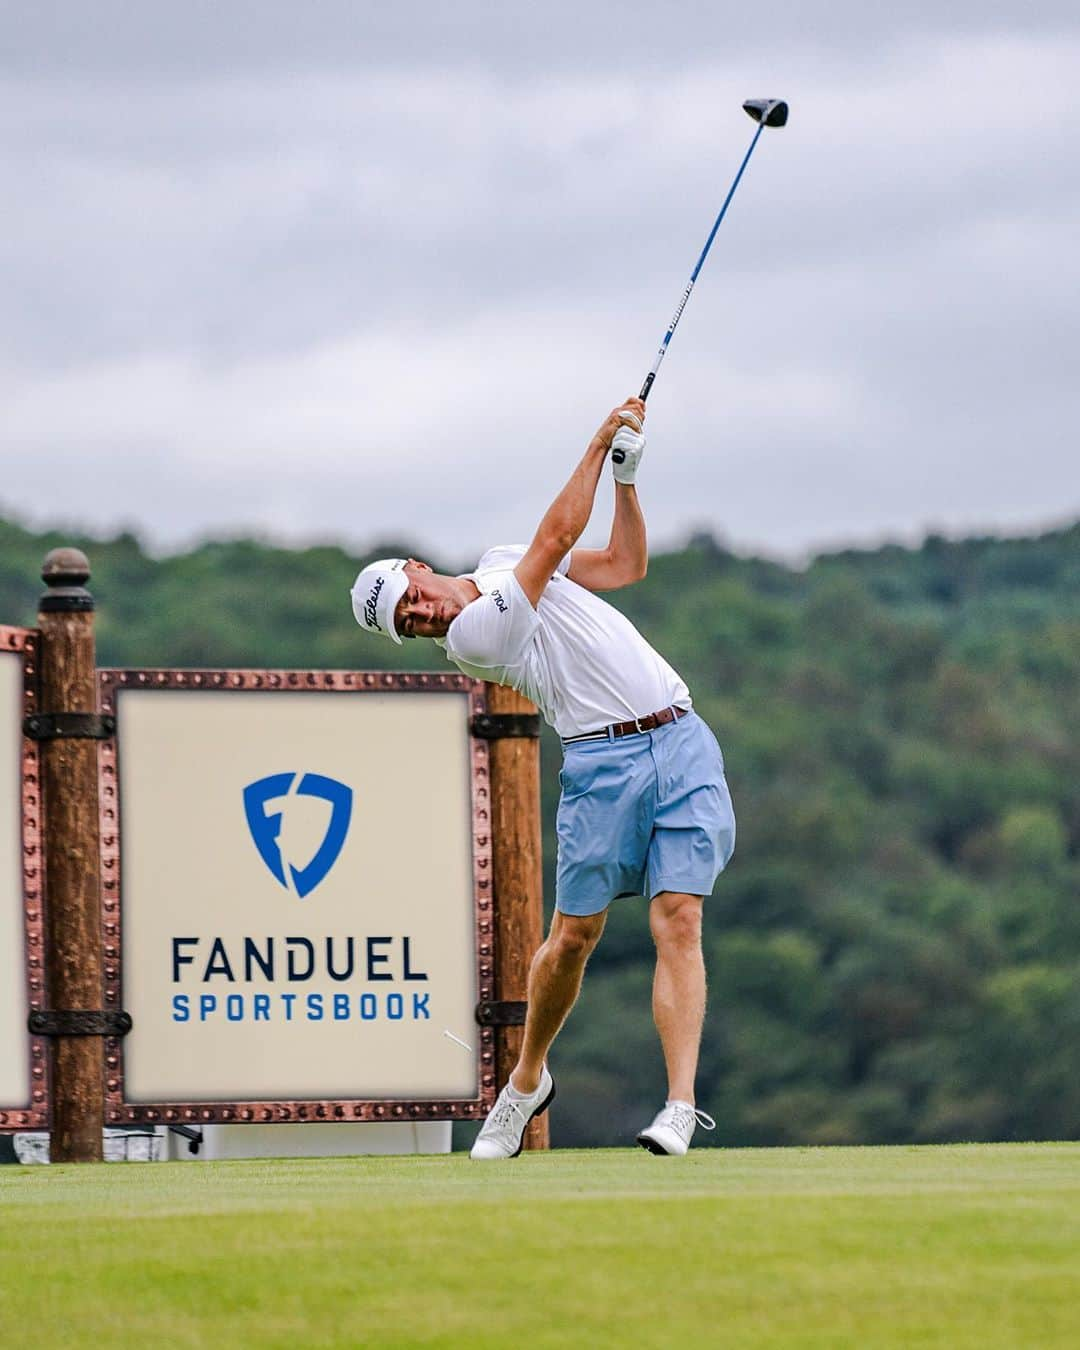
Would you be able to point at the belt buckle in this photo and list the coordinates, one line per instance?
(637, 723)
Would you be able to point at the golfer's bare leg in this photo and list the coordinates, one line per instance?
(554, 981)
(678, 987)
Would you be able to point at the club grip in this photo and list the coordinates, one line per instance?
(619, 456)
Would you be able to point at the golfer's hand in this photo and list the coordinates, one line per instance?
(631, 413)
(627, 447)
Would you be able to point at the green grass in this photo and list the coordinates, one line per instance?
(963, 1246)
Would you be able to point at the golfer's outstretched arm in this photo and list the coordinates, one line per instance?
(569, 513)
(626, 558)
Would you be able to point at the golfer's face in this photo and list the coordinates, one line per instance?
(428, 607)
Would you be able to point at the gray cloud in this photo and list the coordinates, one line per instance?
(150, 37)
(387, 283)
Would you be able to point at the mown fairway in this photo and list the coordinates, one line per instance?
(952, 1247)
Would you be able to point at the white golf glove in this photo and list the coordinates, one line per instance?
(627, 447)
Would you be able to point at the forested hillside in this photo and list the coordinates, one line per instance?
(894, 953)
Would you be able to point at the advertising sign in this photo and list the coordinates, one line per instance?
(296, 885)
(22, 1058)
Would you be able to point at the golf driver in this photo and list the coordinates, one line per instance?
(767, 112)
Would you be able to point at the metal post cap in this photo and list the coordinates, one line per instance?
(65, 571)
(65, 567)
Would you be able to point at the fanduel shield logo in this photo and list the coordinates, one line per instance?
(265, 825)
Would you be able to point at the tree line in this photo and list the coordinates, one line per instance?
(894, 952)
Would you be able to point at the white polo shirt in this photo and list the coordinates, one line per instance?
(580, 661)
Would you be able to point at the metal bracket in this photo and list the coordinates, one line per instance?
(194, 1137)
(67, 1022)
(494, 726)
(508, 1013)
(69, 726)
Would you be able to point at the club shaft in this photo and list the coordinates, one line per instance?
(694, 275)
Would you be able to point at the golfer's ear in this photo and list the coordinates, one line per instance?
(419, 566)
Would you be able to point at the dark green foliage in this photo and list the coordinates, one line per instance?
(894, 954)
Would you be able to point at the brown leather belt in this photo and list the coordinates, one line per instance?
(639, 724)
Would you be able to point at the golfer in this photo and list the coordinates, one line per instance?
(644, 809)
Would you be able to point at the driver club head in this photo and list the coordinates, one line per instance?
(772, 112)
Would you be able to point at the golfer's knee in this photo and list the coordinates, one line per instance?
(572, 938)
(676, 922)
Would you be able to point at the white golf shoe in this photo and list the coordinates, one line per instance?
(673, 1129)
(503, 1132)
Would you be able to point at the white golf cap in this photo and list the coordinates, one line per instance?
(375, 594)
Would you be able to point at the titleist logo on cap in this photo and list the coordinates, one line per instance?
(370, 604)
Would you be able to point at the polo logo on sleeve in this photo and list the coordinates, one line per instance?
(265, 825)
(500, 603)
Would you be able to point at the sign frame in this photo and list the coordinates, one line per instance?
(34, 1114)
(119, 1111)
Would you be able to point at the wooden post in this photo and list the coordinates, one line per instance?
(518, 878)
(69, 772)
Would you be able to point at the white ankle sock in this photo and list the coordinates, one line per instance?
(517, 1096)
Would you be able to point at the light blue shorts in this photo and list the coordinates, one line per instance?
(643, 814)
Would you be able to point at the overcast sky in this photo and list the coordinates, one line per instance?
(352, 271)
